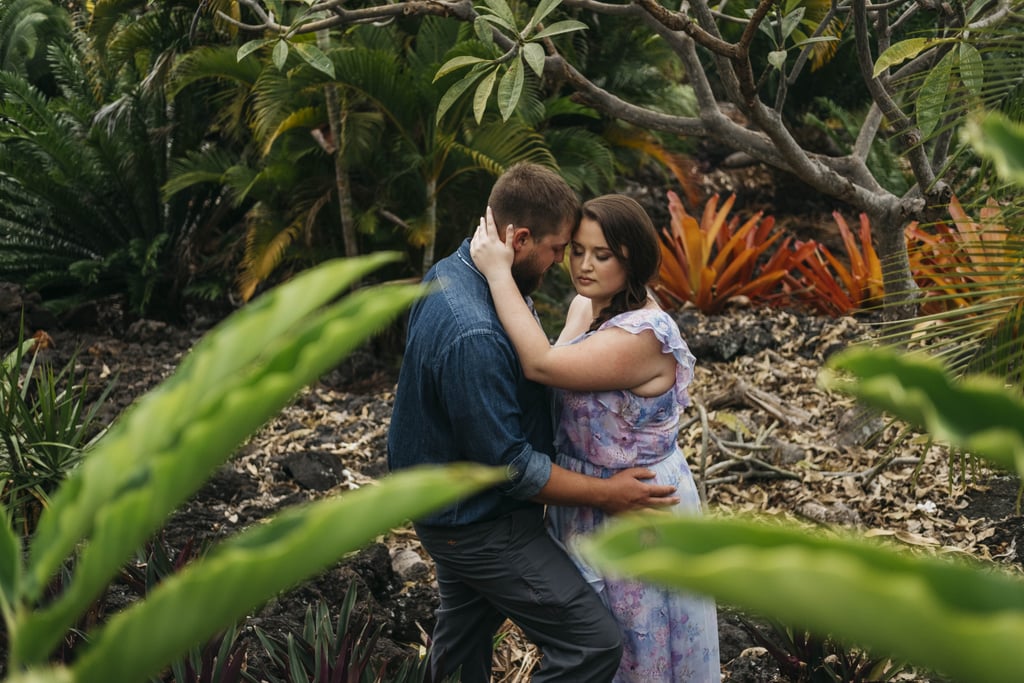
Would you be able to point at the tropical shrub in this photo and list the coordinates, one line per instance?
(163, 448)
(804, 657)
(333, 653)
(80, 175)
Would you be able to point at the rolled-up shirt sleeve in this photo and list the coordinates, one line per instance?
(481, 381)
(527, 473)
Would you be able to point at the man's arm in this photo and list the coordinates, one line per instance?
(622, 492)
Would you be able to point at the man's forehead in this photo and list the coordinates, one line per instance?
(558, 241)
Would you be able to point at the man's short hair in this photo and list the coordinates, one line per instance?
(533, 196)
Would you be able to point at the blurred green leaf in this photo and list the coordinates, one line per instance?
(998, 138)
(280, 54)
(252, 567)
(931, 98)
(315, 57)
(962, 619)
(250, 47)
(560, 27)
(902, 51)
(169, 442)
(972, 69)
(456, 63)
(533, 53)
(510, 89)
(543, 9)
(483, 93)
(976, 414)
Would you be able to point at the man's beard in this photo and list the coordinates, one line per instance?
(527, 276)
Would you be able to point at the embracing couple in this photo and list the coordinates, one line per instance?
(475, 386)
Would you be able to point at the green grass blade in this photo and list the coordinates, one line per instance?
(962, 619)
(10, 567)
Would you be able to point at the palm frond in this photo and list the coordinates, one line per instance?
(216, 63)
(107, 15)
(306, 117)
(495, 145)
(585, 159)
(26, 27)
(210, 165)
(266, 242)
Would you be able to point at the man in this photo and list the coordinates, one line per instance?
(462, 397)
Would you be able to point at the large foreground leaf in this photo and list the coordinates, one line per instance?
(166, 445)
(191, 607)
(977, 414)
(962, 619)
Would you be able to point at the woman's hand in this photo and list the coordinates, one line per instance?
(490, 254)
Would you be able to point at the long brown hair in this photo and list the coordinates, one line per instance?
(627, 228)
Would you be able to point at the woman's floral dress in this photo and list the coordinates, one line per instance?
(668, 637)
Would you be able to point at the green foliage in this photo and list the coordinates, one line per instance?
(218, 661)
(400, 175)
(997, 137)
(959, 618)
(27, 28)
(804, 657)
(338, 653)
(496, 15)
(80, 173)
(976, 414)
(47, 419)
(162, 449)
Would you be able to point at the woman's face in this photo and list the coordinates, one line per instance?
(596, 272)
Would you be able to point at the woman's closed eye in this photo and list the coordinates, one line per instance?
(602, 255)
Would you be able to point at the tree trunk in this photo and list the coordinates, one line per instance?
(428, 247)
(336, 121)
(888, 224)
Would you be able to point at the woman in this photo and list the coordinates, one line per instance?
(621, 369)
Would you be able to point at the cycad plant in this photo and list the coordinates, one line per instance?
(27, 29)
(400, 168)
(81, 214)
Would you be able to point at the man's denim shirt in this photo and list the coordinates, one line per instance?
(462, 396)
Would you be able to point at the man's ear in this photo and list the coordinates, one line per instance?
(520, 236)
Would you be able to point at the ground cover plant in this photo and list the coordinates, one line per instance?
(47, 418)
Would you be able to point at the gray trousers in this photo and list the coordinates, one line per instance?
(510, 568)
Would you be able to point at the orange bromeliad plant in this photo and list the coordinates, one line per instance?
(716, 260)
(826, 284)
